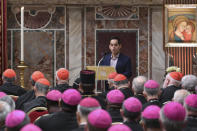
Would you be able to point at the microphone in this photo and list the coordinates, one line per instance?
(102, 58)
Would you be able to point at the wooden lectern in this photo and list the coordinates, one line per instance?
(102, 73)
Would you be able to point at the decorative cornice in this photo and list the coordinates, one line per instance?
(86, 2)
(117, 12)
(34, 17)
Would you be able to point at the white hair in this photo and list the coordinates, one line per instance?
(42, 88)
(9, 101)
(58, 79)
(180, 95)
(171, 81)
(138, 84)
(84, 111)
(4, 110)
(189, 82)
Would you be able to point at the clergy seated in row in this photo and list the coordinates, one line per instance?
(180, 95)
(53, 100)
(41, 88)
(151, 92)
(150, 118)
(99, 120)
(190, 105)
(122, 83)
(29, 95)
(85, 106)
(189, 82)
(87, 87)
(110, 80)
(171, 84)
(115, 99)
(138, 88)
(16, 120)
(64, 120)
(8, 100)
(131, 111)
(9, 78)
(173, 116)
(4, 110)
(62, 77)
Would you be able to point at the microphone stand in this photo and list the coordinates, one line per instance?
(97, 69)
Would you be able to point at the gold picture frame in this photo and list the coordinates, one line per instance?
(180, 25)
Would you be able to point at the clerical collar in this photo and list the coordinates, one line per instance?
(153, 100)
(115, 56)
(82, 123)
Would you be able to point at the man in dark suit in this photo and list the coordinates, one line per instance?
(120, 62)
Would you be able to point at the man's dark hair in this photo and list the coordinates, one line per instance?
(88, 88)
(130, 115)
(93, 128)
(9, 80)
(67, 107)
(151, 123)
(32, 82)
(52, 103)
(116, 38)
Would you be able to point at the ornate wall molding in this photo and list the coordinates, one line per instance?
(88, 2)
(34, 17)
(116, 12)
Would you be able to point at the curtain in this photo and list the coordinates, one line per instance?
(3, 38)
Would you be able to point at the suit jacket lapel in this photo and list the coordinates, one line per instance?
(108, 59)
(118, 62)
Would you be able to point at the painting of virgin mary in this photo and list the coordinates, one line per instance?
(182, 29)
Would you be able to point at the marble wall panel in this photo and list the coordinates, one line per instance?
(158, 55)
(12, 23)
(141, 24)
(90, 36)
(143, 41)
(9, 38)
(58, 19)
(75, 43)
(74, 39)
(60, 49)
(38, 54)
(56, 22)
(86, 2)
